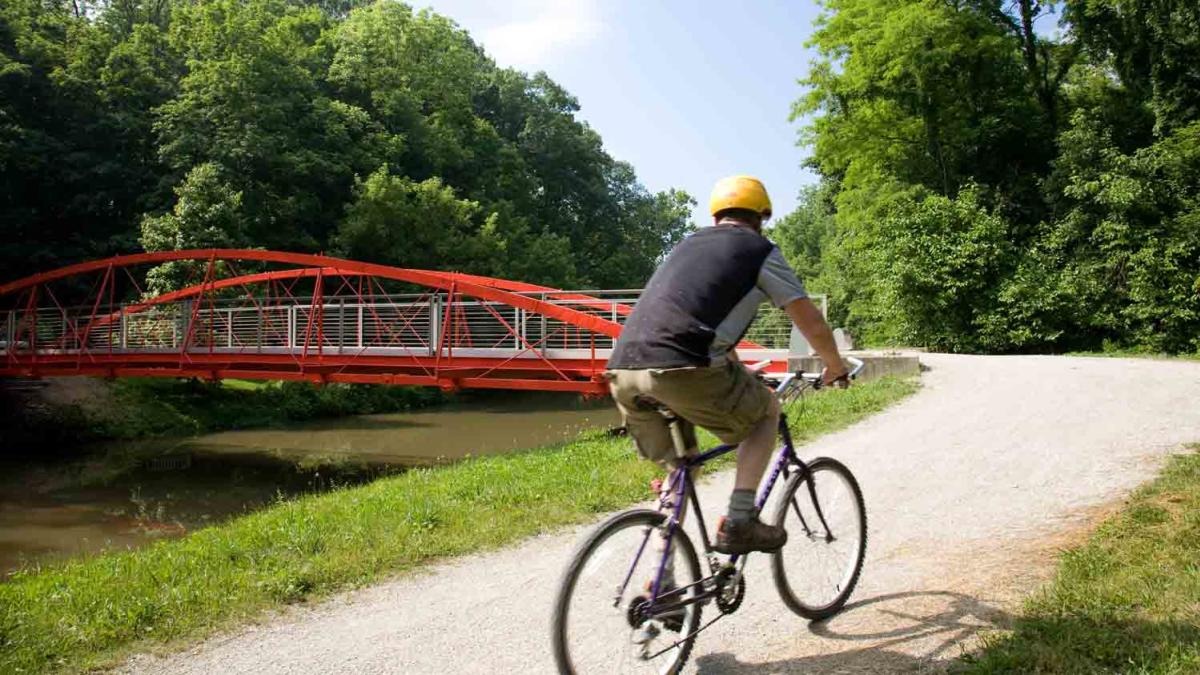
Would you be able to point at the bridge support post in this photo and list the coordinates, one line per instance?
(177, 326)
(291, 331)
(341, 332)
(518, 327)
(434, 324)
(544, 337)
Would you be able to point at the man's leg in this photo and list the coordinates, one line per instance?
(655, 442)
(741, 531)
(754, 453)
(667, 497)
(730, 402)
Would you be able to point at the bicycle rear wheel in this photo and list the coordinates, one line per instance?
(596, 625)
(817, 569)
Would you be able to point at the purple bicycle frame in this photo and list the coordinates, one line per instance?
(680, 482)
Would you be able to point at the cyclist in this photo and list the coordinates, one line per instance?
(677, 348)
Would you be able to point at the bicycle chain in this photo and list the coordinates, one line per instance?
(726, 606)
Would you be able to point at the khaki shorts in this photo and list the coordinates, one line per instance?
(726, 399)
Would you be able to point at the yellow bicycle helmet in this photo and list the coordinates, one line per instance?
(740, 192)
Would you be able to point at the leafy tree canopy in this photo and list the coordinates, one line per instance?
(364, 129)
(988, 188)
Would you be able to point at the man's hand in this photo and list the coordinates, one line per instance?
(839, 378)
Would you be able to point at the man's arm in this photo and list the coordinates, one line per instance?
(812, 324)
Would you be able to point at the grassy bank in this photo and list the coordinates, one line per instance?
(128, 409)
(91, 611)
(1128, 354)
(1128, 601)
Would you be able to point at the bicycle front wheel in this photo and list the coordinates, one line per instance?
(598, 626)
(823, 513)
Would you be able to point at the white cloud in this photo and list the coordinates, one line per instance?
(538, 32)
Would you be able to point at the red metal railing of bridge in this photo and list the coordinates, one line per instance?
(319, 319)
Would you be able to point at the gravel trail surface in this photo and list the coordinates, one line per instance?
(971, 486)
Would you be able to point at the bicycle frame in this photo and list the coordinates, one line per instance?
(682, 488)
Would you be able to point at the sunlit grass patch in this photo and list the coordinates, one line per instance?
(1128, 601)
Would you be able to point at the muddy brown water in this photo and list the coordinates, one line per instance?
(125, 495)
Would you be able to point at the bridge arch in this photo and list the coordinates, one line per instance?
(529, 336)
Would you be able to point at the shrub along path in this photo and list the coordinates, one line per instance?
(970, 486)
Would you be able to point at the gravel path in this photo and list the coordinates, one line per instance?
(971, 485)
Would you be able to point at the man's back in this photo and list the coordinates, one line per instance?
(702, 299)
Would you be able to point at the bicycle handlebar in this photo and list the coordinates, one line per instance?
(814, 379)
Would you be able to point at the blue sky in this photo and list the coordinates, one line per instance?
(687, 92)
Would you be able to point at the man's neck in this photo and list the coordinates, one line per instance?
(734, 222)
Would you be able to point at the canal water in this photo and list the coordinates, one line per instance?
(130, 494)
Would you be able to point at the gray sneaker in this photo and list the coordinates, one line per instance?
(752, 535)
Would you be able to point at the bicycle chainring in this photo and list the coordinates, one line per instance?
(732, 591)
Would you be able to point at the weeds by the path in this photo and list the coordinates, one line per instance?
(90, 611)
(1128, 354)
(1128, 601)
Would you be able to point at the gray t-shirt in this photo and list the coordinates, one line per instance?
(776, 282)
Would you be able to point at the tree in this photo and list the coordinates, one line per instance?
(397, 220)
(804, 234)
(252, 102)
(207, 214)
(930, 93)
(304, 125)
(1154, 48)
(991, 189)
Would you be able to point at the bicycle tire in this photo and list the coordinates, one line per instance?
(808, 607)
(640, 518)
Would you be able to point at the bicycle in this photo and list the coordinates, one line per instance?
(605, 620)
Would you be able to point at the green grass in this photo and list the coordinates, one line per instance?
(89, 612)
(1128, 601)
(1134, 354)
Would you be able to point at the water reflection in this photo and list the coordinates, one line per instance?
(130, 494)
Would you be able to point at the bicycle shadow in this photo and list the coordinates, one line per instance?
(915, 631)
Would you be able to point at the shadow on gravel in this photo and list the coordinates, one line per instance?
(902, 633)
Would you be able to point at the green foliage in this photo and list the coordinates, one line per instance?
(806, 233)
(1126, 601)
(1152, 47)
(938, 266)
(989, 189)
(396, 218)
(306, 126)
(929, 92)
(208, 214)
(129, 409)
(89, 611)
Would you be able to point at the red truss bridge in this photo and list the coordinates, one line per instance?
(268, 315)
